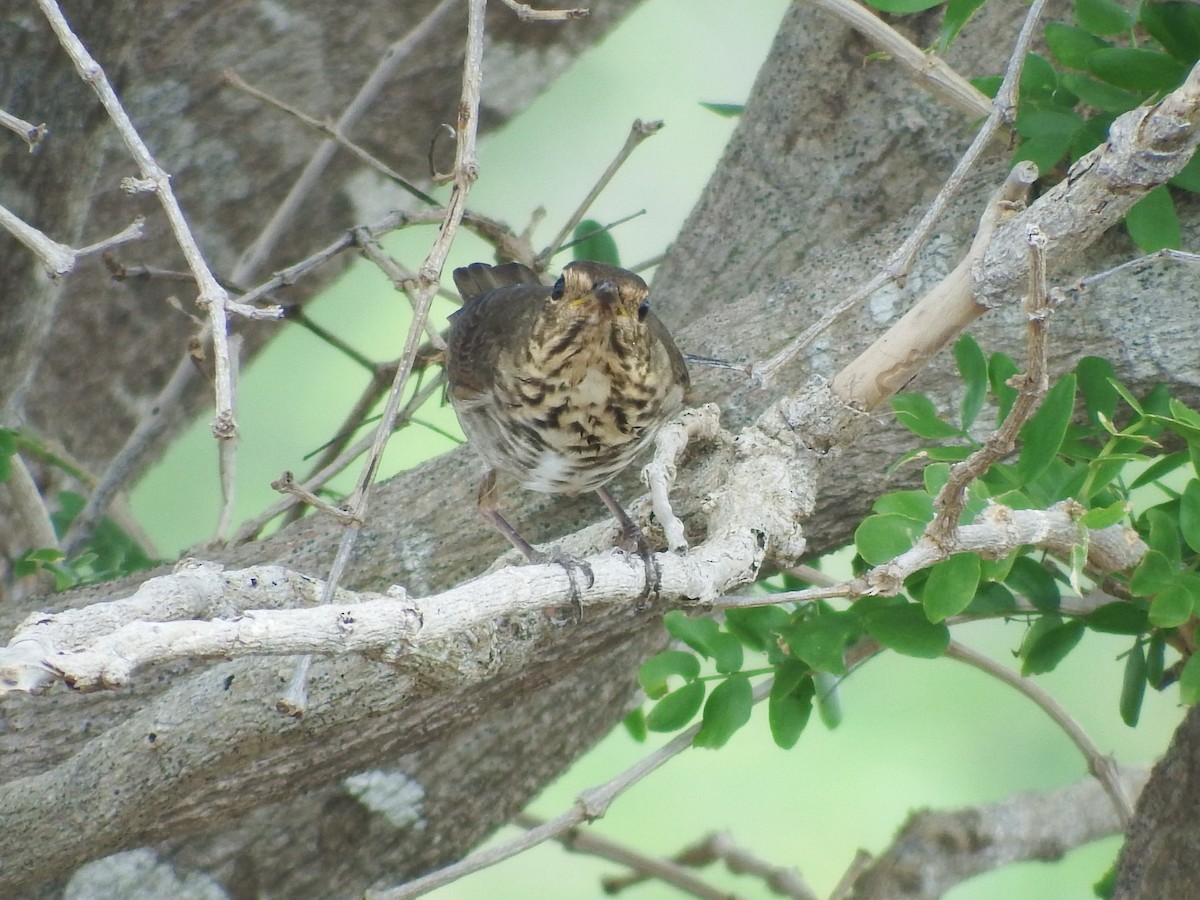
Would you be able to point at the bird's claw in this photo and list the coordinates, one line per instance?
(557, 556)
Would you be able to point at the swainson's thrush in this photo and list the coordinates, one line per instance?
(560, 386)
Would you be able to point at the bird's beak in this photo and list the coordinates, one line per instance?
(607, 293)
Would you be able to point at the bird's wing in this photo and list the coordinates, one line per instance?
(500, 308)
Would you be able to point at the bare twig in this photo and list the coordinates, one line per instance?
(31, 134)
(212, 297)
(590, 805)
(256, 256)
(720, 847)
(286, 484)
(294, 700)
(583, 840)
(59, 259)
(638, 132)
(527, 13)
(328, 469)
(899, 263)
(29, 505)
(333, 133)
(1102, 767)
(952, 498)
(930, 71)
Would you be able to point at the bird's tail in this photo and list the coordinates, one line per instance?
(479, 278)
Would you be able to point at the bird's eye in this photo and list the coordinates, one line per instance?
(643, 309)
(556, 292)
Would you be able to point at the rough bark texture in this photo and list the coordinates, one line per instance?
(1159, 856)
(814, 190)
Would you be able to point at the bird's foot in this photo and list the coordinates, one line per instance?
(636, 542)
(557, 556)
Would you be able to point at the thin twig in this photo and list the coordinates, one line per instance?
(212, 297)
(31, 134)
(466, 170)
(931, 71)
(586, 841)
(899, 263)
(720, 847)
(527, 13)
(314, 482)
(59, 259)
(229, 76)
(589, 805)
(1102, 767)
(638, 132)
(29, 505)
(286, 484)
(256, 256)
(952, 498)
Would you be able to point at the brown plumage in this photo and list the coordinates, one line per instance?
(560, 387)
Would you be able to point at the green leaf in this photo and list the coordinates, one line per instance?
(1176, 26)
(1044, 150)
(915, 505)
(917, 413)
(903, 6)
(725, 110)
(1041, 122)
(1156, 660)
(1118, 617)
(677, 708)
(880, 538)
(1102, 16)
(1000, 369)
(992, 599)
(821, 642)
(1189, 177)
(1095, 375)
(951, 585)
(1071, 46)
(655, 671)
(956, 16)
(1039, 80)
(972, 368)
(8, 446)
(789, 708)
(1133, 685)
(635, 725)
(698, 632)
(727, 710)
(935, 477)
(1164, 533)
(1103, 516)
(1103, 97)
(829, 699)
(1136, 69)
(1046, 646)
(1032, 581)
(1043, 434)
(1152, 222)
(1160, 468)
(1189, 680)
(595, 242)
(758, 626)
(1153, 574)
(906, 630)
(1172, 605)
(1189, 514)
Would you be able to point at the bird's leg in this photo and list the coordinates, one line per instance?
(489, 510)
(633, 537)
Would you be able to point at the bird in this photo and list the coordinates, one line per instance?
(561, 387)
